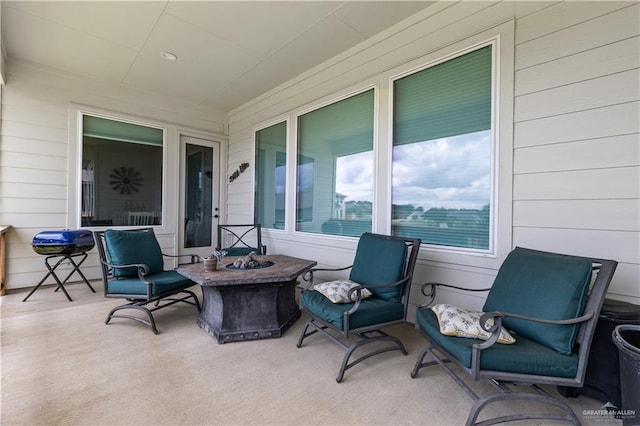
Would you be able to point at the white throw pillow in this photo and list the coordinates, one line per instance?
(457, 321)
(336, 291)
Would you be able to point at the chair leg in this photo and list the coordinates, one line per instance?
(365, 340)
(141, 306)
(541, 396)
(350, 349)
(419, 364)
(150, 321)
(443, 363)
(172, 300)
(304, 333)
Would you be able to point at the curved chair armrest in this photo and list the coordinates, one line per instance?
(358, 290)
(497, 318)
(308, 276)
(143, 269)
(431, 286)
(496, 326)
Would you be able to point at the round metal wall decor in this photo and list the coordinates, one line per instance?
(125, 180)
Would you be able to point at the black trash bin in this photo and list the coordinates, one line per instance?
(627, 339)
(602, 378)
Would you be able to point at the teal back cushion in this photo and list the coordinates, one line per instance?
(127, 247)
(380, 260)
(240, 251)
(541, 285)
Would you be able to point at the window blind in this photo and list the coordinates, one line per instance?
(448, 99)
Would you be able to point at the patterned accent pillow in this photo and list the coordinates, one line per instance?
(336, 291)
(456, 321)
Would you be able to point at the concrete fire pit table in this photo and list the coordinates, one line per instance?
(248, 304)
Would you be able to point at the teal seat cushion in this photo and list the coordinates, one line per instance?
(380, 260)
(162, 283)
(371, 311)
(525, 356)
(129, 247)
(541, 285)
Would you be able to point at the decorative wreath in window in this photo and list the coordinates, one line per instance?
(125, 180)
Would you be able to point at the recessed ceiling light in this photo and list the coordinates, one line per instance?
(168, 56)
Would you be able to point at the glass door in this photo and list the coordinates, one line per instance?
(200, 163)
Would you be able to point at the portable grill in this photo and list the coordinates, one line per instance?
(59, 246)
(65, 242)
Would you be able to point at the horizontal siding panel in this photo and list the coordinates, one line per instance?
(625, 282)
(615, 215)
(613, 120)
(468, 278)
(578, 185)
(34, 176)
(562, 15)
(23, 249)
(617, 151)
(35, 263)
(240, 215)
(607, 29)
(25, 190)
(608, 90)
(42, 147)
(33, 161)
(617, 57)
(617, 245)
(237, 157)
(44, 218)
(239, 188)
(48, 117)
(32, 131)
(29, 205)
(25, 96)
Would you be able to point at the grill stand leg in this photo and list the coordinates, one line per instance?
(76, 268)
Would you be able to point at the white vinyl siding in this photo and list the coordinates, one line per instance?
(34, 157)
(574, 146)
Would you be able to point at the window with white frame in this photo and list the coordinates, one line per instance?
(121, 173)
(270, 176)
(335, 167)
(443, 141)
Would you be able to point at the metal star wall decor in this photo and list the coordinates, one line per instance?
(125, 180)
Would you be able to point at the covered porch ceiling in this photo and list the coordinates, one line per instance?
(228, 52)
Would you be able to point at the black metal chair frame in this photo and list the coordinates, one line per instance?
(502, 380)
(239, 236)
(339, 336)
(139, 302)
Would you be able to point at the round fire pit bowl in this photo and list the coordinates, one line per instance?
(235, 268)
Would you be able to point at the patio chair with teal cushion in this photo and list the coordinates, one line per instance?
(240, 240)
(549, 304)
(132, 266)
(375, 296)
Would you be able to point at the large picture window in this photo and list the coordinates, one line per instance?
(442, 153)
(121, 173)
(335, 167)
(271, 176)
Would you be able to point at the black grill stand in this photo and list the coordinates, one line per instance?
(52, 271)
